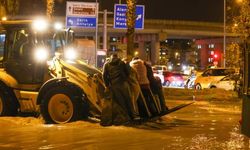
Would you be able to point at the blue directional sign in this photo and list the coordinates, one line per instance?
(83, 22)
(120, 17)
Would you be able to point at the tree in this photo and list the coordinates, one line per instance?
(11, 7)
(242, 21)
(242, 28)
(233, 55)
(131, 27)
(50, 8)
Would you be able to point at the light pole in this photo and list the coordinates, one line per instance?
(224, 36)
(96, 32)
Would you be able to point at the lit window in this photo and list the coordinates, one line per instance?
(212, 52)
(199, 46)
(211, 45)
(210, 59)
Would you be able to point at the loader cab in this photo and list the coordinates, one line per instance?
(26, 51)
(2, 41)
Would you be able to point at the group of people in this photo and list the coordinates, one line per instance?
(133, 93)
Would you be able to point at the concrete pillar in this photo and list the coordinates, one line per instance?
(156, 52)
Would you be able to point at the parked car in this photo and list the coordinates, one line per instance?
(190, 81)
(159, 68)
(173, 79)
(211, 75)
(159, 75)
(227, 83)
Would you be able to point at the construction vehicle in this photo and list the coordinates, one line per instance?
(39, 73)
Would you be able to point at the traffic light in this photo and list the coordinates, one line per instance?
(215, 56)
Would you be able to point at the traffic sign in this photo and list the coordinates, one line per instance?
(81, 14)
(120, 16)
(81, 22)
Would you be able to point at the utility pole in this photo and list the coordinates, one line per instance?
(105, 27)
(224, 36)
(96, 33)
(105, 30)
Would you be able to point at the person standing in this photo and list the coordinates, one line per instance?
(115, 75)
(137, 97)
(141, 71)
(156, 87)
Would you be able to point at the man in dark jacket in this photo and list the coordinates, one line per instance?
(115, 75)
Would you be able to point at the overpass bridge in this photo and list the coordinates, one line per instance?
(153, 33)
(172, 29)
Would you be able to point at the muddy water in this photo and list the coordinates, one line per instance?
(201, 126)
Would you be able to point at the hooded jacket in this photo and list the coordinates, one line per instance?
(141, 70)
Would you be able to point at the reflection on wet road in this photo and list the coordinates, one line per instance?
(203, 125)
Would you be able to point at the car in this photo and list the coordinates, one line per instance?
(190, 81)
(227, 83)
(173, 79)
(210, 75)
(160, 76)
(159, 68)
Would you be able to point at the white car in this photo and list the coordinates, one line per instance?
(211, 75)
(158, 71)
(226, 83)
(159, 68)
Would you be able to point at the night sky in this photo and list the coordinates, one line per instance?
(196, 10)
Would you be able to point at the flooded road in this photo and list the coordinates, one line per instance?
(202, 125)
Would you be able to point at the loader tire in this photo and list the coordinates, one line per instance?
(7, 105)
(61, 105)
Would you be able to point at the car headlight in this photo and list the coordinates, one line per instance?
(40, 25)
(41, 54)
(58, 26)
(70, 54)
